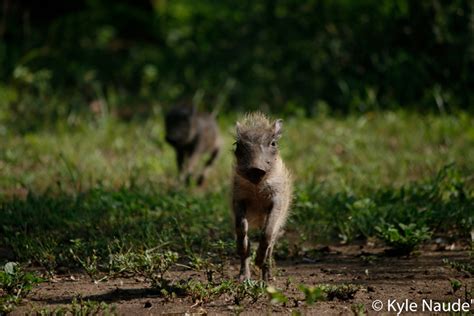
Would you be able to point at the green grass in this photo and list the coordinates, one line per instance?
(77, 197)
(346, 154)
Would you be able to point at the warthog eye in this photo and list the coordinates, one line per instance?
(273, 143)
(238, 147)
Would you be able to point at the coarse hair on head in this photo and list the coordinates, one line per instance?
(257, 123)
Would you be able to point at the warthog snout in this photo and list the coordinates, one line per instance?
(255, 175)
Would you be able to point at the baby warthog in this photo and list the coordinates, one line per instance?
(192, 135)
(262, 189)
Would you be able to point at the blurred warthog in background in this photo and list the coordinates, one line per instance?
(193, 135)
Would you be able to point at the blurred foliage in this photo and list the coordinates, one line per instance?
(298, 57)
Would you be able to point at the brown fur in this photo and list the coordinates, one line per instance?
(262, 189)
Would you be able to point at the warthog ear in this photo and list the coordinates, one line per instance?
(238, 128)
(278, 128)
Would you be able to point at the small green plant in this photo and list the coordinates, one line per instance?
(150, 264)
(88, 263)
(464, 267)
(79, 307)
(249, 288)
(15, 284)
(359, 309)
(328, 292)
(276, 296)
(369, 259)
(203, 292)
(455, 285)
(403, 239)
(312, 294)
(207, 265)
(343, 292)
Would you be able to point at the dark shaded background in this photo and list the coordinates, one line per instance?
(297, 57)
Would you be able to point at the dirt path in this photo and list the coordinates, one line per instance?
(381, 278)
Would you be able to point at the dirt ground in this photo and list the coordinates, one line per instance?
(423, 276)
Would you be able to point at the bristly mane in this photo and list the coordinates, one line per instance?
(255, 121)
